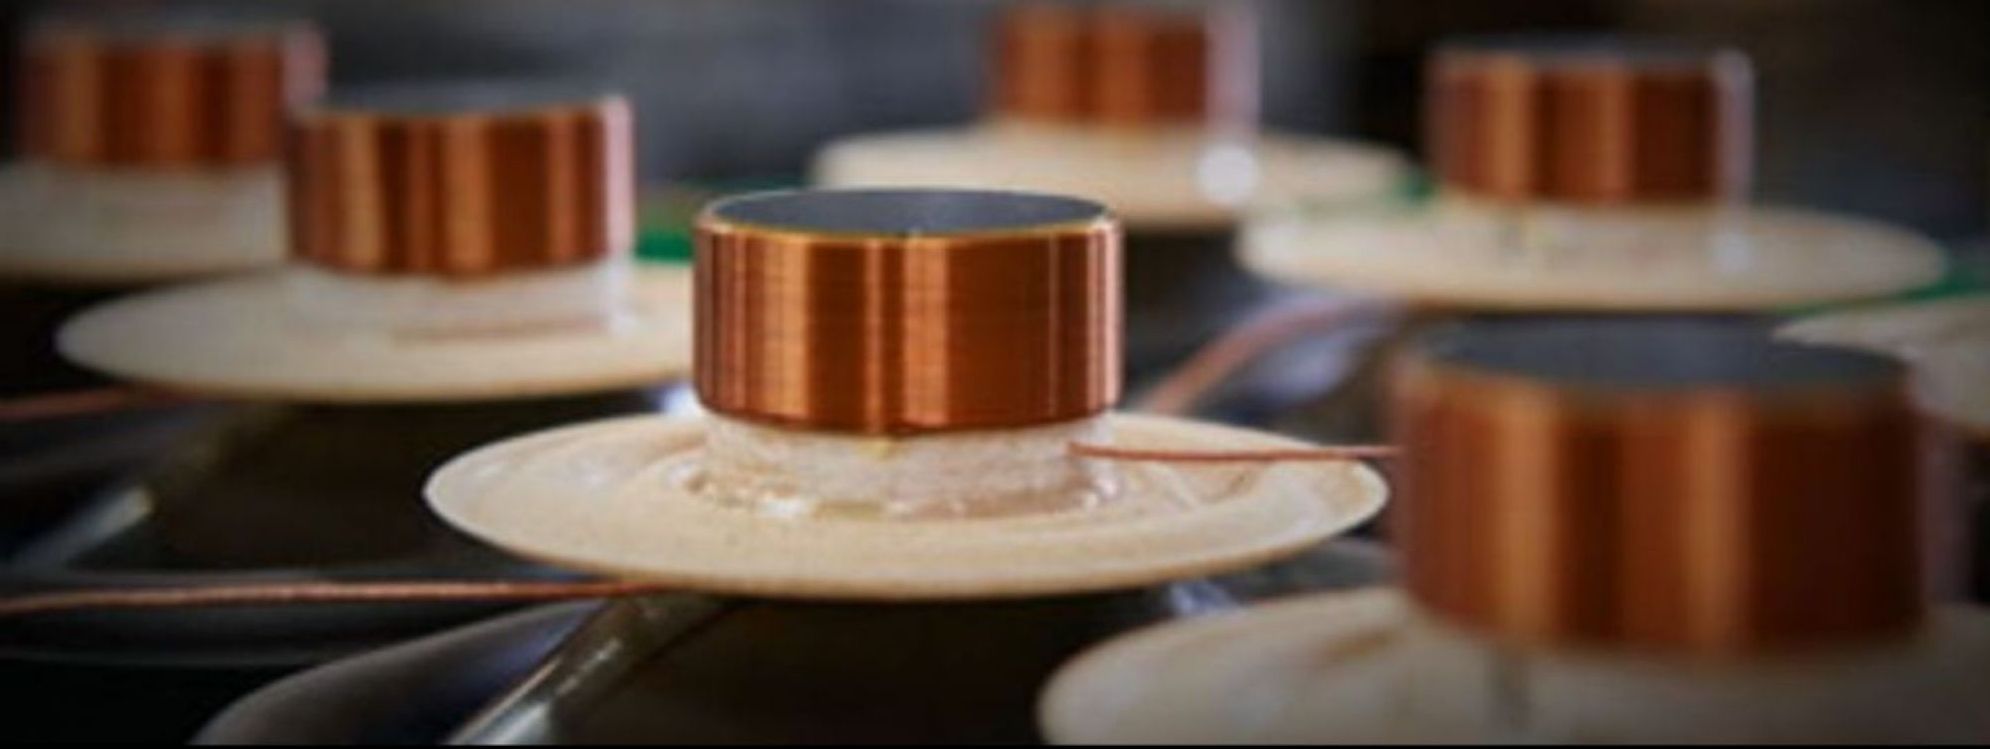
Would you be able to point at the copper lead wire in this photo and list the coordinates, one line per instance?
(37, 604)
(89, 402)
(1325, 453)
(1238, 347)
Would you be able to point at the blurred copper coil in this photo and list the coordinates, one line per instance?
(166, 92)
(907, 311)
(1589, 120)
(1663, 484)
(462, 181)
(1120, 65)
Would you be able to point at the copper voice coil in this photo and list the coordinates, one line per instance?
(462, 180)
(1586, 174)
(907, 311)
(476, 235)
(1632, 529)
(164, 91)
(1673, 484)
(901, 369)
(1589, 120)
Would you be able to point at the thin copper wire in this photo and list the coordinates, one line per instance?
(462, 192)
(164, 99)
(318, 593)
(1605, 125)
(893, 334)
(88, 402)
(1181, 388)
(1299, 454)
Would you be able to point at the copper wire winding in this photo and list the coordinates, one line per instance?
(1711, 518)
(462, 191)
(1117, 66)
(1589, 124)
(1010, 324)
(164, 98)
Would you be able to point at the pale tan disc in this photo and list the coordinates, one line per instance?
(134, 227)
(603, 497)
(1179, 179)
(1899, 328)
(239, 337)
(1362, 667)
(1772, 258)
(1946, 341)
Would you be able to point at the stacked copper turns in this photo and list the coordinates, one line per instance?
(907, 312)
(1665, 484)
(1589, 120)
(1117, 65)
(461, 181)
(164, 93)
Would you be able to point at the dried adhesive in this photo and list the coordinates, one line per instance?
(787, 472)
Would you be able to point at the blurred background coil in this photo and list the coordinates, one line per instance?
(164, 92)
(462, 180)
(1589, 120)
(1120, 65)
(1661, 483)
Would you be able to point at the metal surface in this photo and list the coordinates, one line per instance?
(54, 462)
(414, 692)
(588, 663)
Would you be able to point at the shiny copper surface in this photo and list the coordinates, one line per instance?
(908, 332)
(1594, 124)
(1119, 65)
(1707, 519)
(164, 98)
(466, 191)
